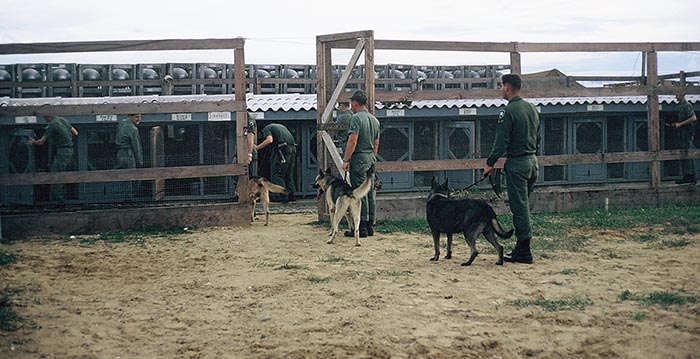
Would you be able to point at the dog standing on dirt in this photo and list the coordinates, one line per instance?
(468, 216)
(260, 188)
(341, 200)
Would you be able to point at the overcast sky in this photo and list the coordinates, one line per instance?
(283, 32)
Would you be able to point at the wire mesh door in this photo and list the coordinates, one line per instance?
(588, 138)
(640, 142)
(395, 145)
(459, 145)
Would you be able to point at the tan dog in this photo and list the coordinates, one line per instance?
(342, 200)
(260, 188)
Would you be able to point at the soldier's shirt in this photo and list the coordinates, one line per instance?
(366, 127)
(251, 127)
(517, 133)
(279, 134)
(686, 111)
(58, 131)
(343, 118)
(128, 138)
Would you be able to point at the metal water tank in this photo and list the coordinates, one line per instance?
(208, 73)
(440, 74)
(31, 74)
(471, 74)
(180, 73)
(260, 73)
(393, 74)
(60, 74)
(5, 76)
(91, 75)
(120, 75)
(150, 74)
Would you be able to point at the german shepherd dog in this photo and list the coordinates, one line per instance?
(341, 200)
(260, 188)
(468, 216)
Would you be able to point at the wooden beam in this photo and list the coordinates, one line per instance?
(688, 90)
(654, 118)
(607, 46)
(515, 64)
(122, 108)
(552, 160)
(335, 156)
(135, 174)
(444, 46)
(678, 75)
(330, 105)
(125, 45)
(241, 121)
(354, 35)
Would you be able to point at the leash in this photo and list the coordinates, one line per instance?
(496, 172)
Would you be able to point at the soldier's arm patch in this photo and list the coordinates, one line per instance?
(501, 115)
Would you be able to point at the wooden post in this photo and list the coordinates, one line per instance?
(369, 71)
(515, 66)
(323, 82)
(654, 128)
(158, 160)
(241, 120)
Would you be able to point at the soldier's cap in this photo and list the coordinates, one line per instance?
(343, 103)
(359, 96)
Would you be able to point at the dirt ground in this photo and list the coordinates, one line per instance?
(281, 292)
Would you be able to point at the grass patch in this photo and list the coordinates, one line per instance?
(391, 251)
(410, 225)
(334, 259)
(127, 237)
(394, 273)
(675, 243)
(7, 258)
(556, 282)
(9, 319)
(644, 238)
(570, 271)
(288, 266)
(662, 299)
(638, 316)
(317, 279)
(555, 305)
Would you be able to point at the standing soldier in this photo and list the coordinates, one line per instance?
(360, 157)
(60, 133)
(282, 158)
(517, 138)
(128, 141)
(686, 117)
(344, 115)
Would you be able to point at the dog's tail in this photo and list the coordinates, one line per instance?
(274, 188)
(364, 188)
(499, 230)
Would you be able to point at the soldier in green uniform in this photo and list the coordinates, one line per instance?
(60, 133)
(686, 117)
(517, 138)
(250, 133)
(360, 157)
(128, 141)
(283, 156)
(344, 115)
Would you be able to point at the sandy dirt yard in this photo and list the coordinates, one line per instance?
(281, 292)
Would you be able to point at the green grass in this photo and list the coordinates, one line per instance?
(317, 279)
(288, 266)
(675, 243)
(9, 319)
(7, 258)
(662, 299)
(127, 237)
(410, 225)
(570, 271)
(638, 316)
(554, 305)
(391, 251)
(644, 238)
(334, 259)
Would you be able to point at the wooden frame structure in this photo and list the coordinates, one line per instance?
(238, 106)
(364, 41)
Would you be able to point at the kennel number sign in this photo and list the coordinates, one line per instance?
(182, 117)
(467, 111)
(25, 119)
(219, 116)
(106, 118)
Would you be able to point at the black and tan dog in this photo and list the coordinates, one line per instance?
(468, 216)
(260, 188)
(342, 200)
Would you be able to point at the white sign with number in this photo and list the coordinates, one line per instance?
(395, 113)
(596, 108)
(182, 117)
(219, 116)
(467, 111)
(106, 118)
(25, 119)
(258, 115)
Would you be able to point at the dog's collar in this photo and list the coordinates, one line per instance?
(433, 195)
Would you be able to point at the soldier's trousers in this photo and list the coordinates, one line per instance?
(363, 165)
(62, 162)
(283, 173)
(126, 159)
(521, 174)
(687, 166)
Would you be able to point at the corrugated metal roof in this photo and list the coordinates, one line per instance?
(299, 102)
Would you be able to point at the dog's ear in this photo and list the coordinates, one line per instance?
(328, 170)
(446, 183)
(320, 172)
(434, 183)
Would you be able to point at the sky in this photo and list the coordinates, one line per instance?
(284, 32)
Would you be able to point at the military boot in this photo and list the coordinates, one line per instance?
(363, 230)
(521, 253)
(370, 228)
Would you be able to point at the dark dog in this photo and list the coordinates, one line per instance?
(469, 216)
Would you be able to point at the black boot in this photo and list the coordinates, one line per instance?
(521, 253)
(363, 230)
(370, 228)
